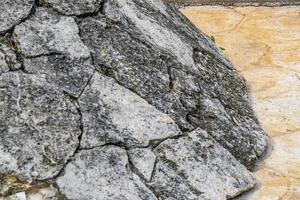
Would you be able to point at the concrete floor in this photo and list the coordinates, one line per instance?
(264, 45)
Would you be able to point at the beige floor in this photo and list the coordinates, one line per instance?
(264, 45)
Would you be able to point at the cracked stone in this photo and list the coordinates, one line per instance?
(74, 7)
(69, 75)
(13, 12)
(46, 32)
(114, 114)
(8, 60)
(155, 52)
(105, 104)
(39, 127)
(102, 173)
(181, 164)
(143, 160)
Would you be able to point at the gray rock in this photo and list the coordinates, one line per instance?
(143, 160)
(74, 7)
(101, 174)
(3, 63)
(39, 127)
(13, 12)
(151, 49)
(69, 75)
(114, 114)
(104, 104)
(197, 167)
(8, 59)
(46, 33)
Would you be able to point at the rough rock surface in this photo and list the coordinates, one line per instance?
(8, 59)
(46, 32)
(106, 106)
(182, 162)
(102, 173)
(143, 160)
(152, 49)
(74, 7)
(39, 127)
(121, 99)
(13, 12)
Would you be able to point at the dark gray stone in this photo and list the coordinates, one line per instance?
(69, 75)
(74, 7)
(39, 127)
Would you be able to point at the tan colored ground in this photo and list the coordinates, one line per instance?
(264, 45)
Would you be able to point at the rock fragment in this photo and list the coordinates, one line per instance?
(197, 167)
(39, 127)
(102, 173)
(46, 32)
(114, 114)
(13, 12)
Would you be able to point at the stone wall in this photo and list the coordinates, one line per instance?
(236, 2)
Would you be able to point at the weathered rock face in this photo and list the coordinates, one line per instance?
(13, 12)
(74, 7)
(39, 127)
(153, 51)
(121, 99)
(110, 177)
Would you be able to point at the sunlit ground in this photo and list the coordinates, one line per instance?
(264, 45)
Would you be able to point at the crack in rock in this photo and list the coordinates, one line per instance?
(134, 49)
(103, 99)
(13, 12)
(38, 127)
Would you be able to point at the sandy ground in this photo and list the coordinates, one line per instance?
(264, 45)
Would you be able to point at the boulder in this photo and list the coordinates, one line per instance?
(119, 99)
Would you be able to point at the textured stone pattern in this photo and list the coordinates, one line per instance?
(270, 62)
(120, 99)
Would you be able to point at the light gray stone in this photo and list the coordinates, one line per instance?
(101, 174)
(74, 7)
(46, 32)
(143, 160)
(39, 127)
(197, 167)
(13, 12)
(150, 48)
(17, 196)
(114, 114)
